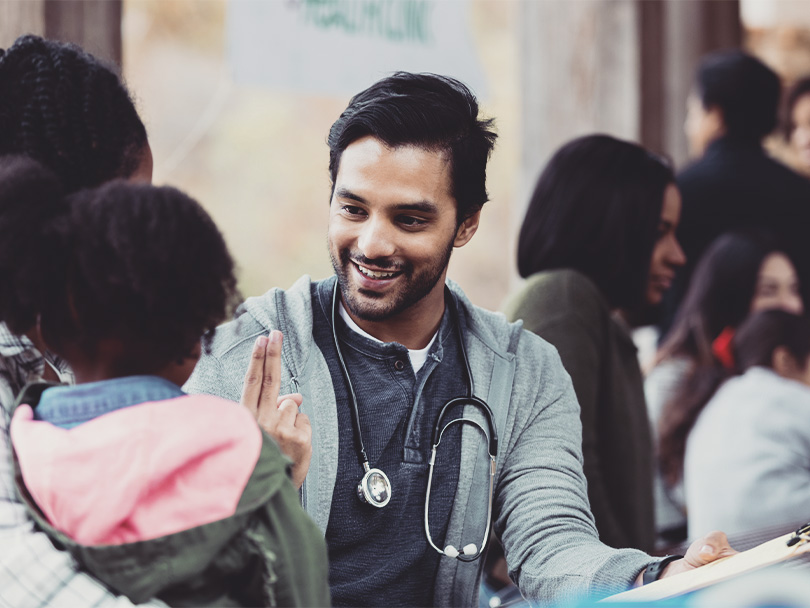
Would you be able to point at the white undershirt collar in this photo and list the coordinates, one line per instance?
(417, 357)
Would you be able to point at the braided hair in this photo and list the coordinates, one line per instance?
(69, 111)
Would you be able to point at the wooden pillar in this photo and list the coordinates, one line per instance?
(580, 73)
(674, 36)
(622, 67)
(94, 25)
(19, 17)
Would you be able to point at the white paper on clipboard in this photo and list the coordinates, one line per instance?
(771, 552)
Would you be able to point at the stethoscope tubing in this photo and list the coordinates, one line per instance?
(438, 429)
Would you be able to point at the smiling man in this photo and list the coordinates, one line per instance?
(430, 417)
(393, 224)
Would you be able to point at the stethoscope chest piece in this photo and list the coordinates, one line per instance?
(375, 488)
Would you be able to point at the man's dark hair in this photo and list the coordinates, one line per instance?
(436, 113)
(744, 89)
(138, 263)
(69, 111)
(596, 209)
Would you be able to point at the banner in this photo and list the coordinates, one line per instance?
(339, 47)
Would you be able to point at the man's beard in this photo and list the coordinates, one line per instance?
(413, 288)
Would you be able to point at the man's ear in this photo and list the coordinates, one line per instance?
(467, 229)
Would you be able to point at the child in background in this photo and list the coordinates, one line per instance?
(156, 493)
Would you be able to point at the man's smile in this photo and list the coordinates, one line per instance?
(376, 274)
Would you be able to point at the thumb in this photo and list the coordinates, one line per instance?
(711, 547)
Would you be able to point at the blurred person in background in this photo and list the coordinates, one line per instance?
(734, 184)
(797, 127)
(598, 250)
(746, 464)
(71, 112)
(738, 275)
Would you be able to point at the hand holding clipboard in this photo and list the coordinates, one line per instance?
(771, 552)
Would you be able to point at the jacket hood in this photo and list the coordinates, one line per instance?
(141, 472)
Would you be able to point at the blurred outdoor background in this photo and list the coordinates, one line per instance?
(238, 95)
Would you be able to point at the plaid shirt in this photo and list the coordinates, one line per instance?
(32, 571)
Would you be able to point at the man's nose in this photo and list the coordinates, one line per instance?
(376, 239)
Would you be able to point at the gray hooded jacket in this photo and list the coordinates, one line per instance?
(541, 508)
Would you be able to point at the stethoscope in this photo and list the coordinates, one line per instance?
(375, 487)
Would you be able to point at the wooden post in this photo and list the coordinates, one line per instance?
(580, 73)
(92, 24)
(95, 25)
(19, 17)
(690, 30)
(623, 67)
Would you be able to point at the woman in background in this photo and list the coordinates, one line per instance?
(739, 274)
(598, 250)
(747, 458)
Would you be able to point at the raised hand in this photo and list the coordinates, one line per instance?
(277, 415)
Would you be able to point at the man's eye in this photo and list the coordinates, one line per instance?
(352, 210)
(412, 221)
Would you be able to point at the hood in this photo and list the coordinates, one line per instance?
(141, 472)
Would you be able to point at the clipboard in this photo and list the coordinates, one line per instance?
(771, 552)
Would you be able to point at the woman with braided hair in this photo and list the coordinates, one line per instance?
(71, 112)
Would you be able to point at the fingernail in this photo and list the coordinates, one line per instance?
(275, 336)
(707, 549)
(261, 341)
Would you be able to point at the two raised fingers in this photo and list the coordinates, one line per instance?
(278, 416)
